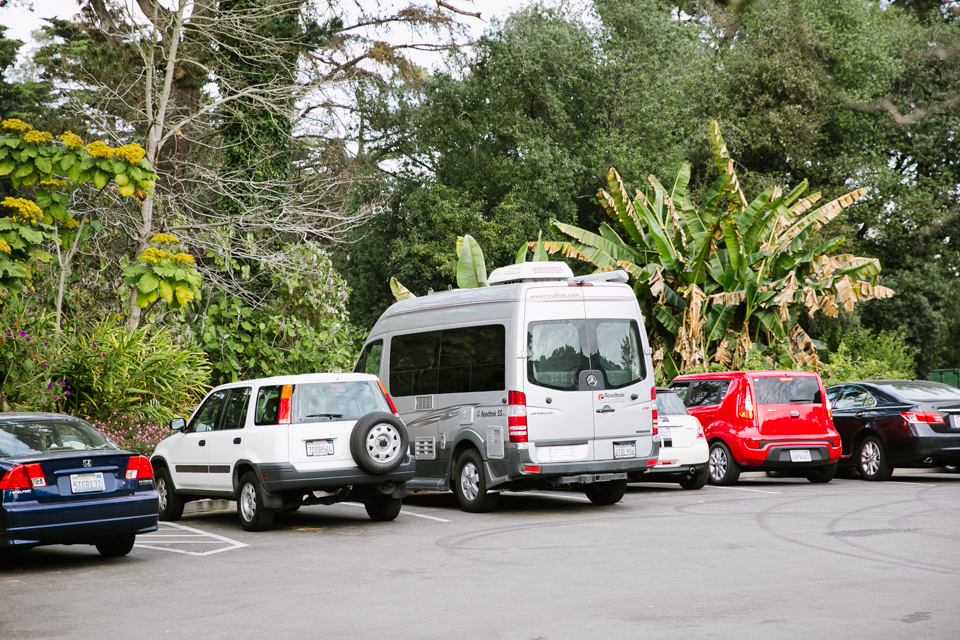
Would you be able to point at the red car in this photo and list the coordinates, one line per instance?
(763, 421)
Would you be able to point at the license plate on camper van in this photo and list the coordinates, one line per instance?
(319, 448)
(624, 450)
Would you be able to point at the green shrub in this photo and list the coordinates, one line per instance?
(131, 433)
(28, 346)
(844, 366)
(147, 374)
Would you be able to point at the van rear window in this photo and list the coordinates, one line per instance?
(787, 390)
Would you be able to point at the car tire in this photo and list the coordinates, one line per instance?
(724, 470)
(470, 484)
(116, 547)
(872, 460)
(383, 509)
(822, 475)
(697, 480)
(379, 442)
(171, 504)
(253, 515)
(604, 493)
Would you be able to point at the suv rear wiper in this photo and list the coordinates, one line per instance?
(326, 415)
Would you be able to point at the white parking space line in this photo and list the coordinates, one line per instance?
(406, 513)
(190, 536)
(713, 486)
(915, 484)
(558, 495)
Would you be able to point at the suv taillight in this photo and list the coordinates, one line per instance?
(24, 477)
(285, 393)
(389, 399)
(517, 416)
(656, 416)
(920, 417)
(138, 468)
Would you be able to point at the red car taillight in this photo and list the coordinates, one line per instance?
(389, 399)
(139, 468)
(656, 415)
(745, 408)
(24, 477)
(517, 416)
(920, 417)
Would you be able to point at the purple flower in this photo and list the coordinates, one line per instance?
(103, 354)
(23, 333)
(63, 384)
(49, 385)
(24, 353)
(68, 393)
(94, 346)
(9, 335)
(28, 339)
(45, 344)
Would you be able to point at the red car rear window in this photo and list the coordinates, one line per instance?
(787, 390)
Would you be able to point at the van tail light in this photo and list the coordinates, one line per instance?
(745, 409)
(517, 416)
(285, 393)
(656, 418)
(24, 476)
(920, 417)
(139, 468)
(389, 399)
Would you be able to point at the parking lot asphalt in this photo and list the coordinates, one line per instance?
(768, 558)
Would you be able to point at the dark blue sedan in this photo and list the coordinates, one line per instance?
(63, 482)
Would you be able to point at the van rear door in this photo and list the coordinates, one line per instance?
(622, 408)
(559, 414)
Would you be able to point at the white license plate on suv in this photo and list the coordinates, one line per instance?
(86, 483)
(665, 433)
(319, 448)
(799, 455)
(624, 450)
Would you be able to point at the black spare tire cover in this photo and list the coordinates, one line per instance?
(379, 442)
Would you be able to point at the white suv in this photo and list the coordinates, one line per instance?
(275, 444)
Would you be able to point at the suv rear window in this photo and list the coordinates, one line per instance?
(339, 401)
(787, 390)
(669, 404)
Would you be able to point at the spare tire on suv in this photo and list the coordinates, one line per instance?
(379, 442)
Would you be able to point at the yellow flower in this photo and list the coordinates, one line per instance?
(29, 211)
(99, 149)
(132, 153)
(71, 223)
(38, 136)
(53, 183)
(72, 140)
(154, 255)
(4, 247)
(16, 125)
(164, 237)
(183, 257)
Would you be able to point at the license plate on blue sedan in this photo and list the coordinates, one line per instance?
(86, 483)
(624, 450)
(319, 448)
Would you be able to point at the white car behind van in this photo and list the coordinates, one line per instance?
(539, 380)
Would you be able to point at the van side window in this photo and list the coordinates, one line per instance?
(268, 405)
(706, 392)
(473, 359)
(369, 361)
(555, 353)
(413, 364)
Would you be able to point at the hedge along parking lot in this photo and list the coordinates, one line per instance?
(771, 558)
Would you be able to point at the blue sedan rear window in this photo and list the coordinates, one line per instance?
(28, 437)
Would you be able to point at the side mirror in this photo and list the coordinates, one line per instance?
(177, 424)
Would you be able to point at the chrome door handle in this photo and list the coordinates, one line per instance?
(606, 409)
(203, 443)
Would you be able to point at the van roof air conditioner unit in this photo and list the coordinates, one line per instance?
(530, 272)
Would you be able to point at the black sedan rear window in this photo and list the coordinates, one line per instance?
(787, 390)
(921, 391)
(26, 437)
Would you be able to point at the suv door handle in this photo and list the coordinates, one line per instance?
(236, 441)
(203, 443)
(606, 409)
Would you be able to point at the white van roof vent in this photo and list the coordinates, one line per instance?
(530, 271)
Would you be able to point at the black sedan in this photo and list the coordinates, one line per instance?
(896, 423)
(63, 482)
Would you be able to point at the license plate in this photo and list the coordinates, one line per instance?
(799, 455)
(665, 433)
(319, 448)
(624, 450)
(86, 483)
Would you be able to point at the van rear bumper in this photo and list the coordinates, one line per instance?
(517, 467)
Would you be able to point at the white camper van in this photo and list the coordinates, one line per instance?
(540, 380)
